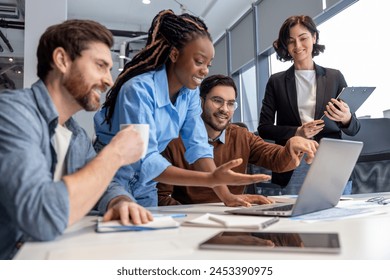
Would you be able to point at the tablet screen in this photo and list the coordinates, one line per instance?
(274, 241)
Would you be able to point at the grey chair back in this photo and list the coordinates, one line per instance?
(372, 171)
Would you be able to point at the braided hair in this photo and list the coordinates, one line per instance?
(166, 31)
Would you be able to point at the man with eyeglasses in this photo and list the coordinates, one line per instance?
(218, 94)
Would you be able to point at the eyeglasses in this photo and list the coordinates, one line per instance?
(380, 200)
(219, 102)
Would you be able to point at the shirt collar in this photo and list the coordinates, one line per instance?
(162, 89)
(45, 104)
(221, 138)
(47, 109)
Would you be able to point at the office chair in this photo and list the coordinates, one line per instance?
(372, 171)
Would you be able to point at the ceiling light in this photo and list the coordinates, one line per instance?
(18, 70)
(11, 59)
(146, 2)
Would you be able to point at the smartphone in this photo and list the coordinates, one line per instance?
(274, 241)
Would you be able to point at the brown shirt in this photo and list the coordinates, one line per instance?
(239, 143)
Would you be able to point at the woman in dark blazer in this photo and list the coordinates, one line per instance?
(301, 95)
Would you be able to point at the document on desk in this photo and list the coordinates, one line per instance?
(163, 222)
(231, 221)
(344, 210)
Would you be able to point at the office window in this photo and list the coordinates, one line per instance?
(248, 99)
(276, 65)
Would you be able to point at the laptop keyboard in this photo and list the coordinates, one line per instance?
(287, 207)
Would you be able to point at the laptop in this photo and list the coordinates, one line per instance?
(323, 185)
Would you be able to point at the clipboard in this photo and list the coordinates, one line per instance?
(354, 97)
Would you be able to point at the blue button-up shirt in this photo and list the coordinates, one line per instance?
(32, 205)
(145, 99)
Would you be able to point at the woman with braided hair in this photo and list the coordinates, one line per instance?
(159, 87)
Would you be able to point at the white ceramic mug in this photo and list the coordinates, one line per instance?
(143, 130)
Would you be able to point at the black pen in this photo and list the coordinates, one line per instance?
(270, 222)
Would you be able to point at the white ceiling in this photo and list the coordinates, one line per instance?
(133, 15)
(125, 15)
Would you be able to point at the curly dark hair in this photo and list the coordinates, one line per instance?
(280, 44)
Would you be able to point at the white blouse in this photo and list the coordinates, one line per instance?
(306, 86)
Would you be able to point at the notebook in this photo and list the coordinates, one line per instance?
(231, 221)
(323, 184)
(162, 222)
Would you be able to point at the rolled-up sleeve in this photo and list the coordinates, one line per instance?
(114, 189)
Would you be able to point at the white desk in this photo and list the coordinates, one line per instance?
(361, 238)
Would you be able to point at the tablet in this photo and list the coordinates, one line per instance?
(354, 97)
(274, 241)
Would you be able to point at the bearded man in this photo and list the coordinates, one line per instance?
(50, 174)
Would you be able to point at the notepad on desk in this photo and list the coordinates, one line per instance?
(230, 221)
(165, 222)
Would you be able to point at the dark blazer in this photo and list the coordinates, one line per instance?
(281, 99)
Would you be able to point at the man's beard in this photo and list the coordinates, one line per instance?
(207, 118)
(77, 87)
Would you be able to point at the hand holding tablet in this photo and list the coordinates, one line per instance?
(354, 97)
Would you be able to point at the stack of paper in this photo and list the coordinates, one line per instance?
(229, 221)
(345, 210)
(163, 222)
